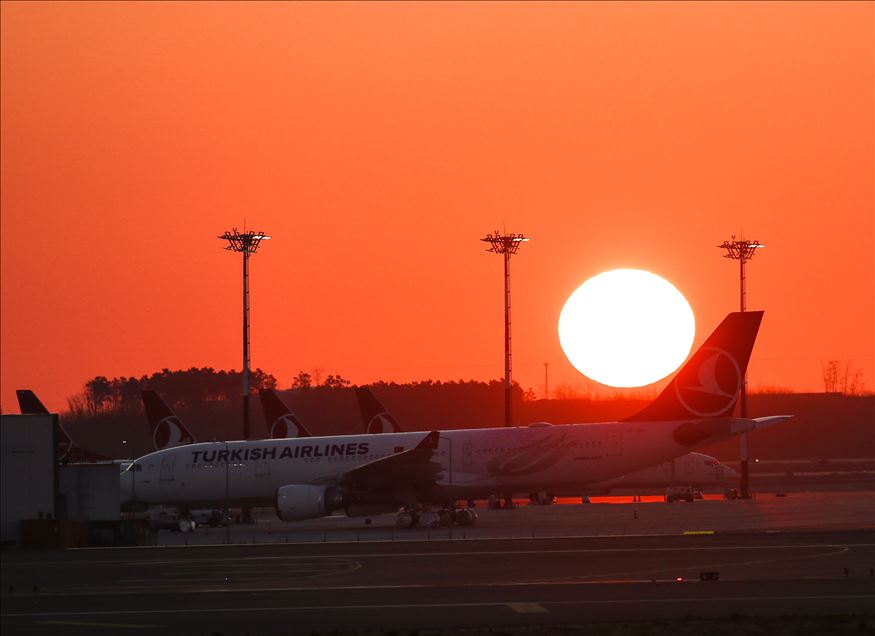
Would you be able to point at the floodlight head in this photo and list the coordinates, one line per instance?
(740, 249)
(247, 242)
(504, 243)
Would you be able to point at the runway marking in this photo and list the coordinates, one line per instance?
(527, 608)
(382, 555)
(224, 589)
(179, 584)
(276, 574)
(688, 532)
(322, 608)
(101, 591)
(279, 558)
(84, 624)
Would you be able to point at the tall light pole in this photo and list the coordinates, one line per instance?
(246, 243)
(546, 383)
(508, 245)
(742, 251)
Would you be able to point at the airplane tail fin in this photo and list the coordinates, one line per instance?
(707, 386)
(167, 429)
(29, 403)
(281, 422)
(376, 418)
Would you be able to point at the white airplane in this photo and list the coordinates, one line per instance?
(305, 478)
(693, 469)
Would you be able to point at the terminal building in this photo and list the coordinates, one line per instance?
(44, 503)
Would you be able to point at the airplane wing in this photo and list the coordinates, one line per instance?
(771, 420)
(412, 466)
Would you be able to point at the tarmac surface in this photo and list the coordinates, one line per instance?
(802, 555)
(606, 516)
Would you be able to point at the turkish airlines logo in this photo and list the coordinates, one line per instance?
(380, 424)
(714, 388)
(284, 426)
(169, 433)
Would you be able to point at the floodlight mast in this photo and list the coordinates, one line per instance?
(246, 243)
(742, 251)
(507, 245)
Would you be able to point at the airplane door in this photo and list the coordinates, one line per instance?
(167, 464)
(467, 454)
(446, 459)
(689, 466)
(262, 468)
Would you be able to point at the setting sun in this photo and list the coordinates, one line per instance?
(626, 328)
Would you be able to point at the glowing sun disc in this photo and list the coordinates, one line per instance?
(626, 328)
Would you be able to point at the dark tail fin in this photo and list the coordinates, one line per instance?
(281, 422)
(29, 403)
(375, 416)
(167, 429)
(708, 384)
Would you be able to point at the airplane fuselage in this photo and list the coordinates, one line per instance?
(473, 462)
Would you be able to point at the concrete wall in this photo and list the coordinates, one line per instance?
(27, 470)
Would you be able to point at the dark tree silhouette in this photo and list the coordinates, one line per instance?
(302, 381)
(336, 382)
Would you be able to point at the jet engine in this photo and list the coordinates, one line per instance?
(297, 502)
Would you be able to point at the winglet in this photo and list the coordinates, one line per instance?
(745, 425)
(281, 422)
(430, 441)
(167, 429)
(707, 386)
(375, 416)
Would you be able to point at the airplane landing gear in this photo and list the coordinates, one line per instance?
(436, 518)
(465, 516)
(430, 519)
(406, 519)
(501, 503)
(542, 498)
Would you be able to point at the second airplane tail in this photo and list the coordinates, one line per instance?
(29, 403)
(707, 386)
(281, 422)
(376, 418)
(167, 429)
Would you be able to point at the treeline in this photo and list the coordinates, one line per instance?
(108, 417)
(180, 389)
(209, 402)
(191, 389)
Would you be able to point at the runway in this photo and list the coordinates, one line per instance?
(447, 585)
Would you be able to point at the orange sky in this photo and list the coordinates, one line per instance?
(378, 142)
